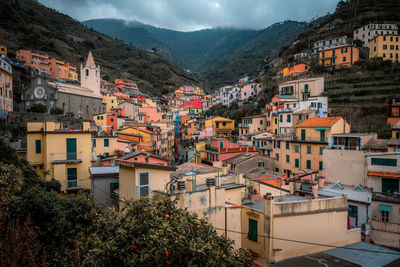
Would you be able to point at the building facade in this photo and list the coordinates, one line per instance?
(367, 32)
(385, 47)
(6, 86)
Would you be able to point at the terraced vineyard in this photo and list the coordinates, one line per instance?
(363, 97)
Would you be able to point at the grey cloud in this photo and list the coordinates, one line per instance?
(190, 15)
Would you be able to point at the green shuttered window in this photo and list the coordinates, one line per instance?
(384, 162)
(252, 235)
(38, 145)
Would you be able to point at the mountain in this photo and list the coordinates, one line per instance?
(219, 55)
(26, 24)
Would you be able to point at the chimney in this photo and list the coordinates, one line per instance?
(210, 182)
(291, 188)
(181, 186)
(315, 191)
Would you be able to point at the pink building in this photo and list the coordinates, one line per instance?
(150, 114)
(222, 149)
(250, 90)
(144, 157)
(120, 112)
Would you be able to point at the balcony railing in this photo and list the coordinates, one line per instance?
(208, 147)
(70, 157)
(242, 125)
(73, 185)
(386, 197)
(316, 139)
(386, 226)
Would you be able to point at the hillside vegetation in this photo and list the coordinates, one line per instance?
(220, 55)
(26, 24)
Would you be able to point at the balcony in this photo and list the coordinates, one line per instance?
(310, 140)
(66, 158)
(386, 226)
(208, 147)
(73, 185)
(386, 197)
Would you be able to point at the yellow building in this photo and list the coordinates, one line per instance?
(61, 153)
(141, 179)
(396, 131)
(147, 136)
(200, 152)
(385, 46)
(100, 119)
(178, 93)
(222, 127)
(283, 72)
(305, 150)
(104, 145)
(198, 91)
(3, 50)
(6, 87)
(193, 110)
(111, 101)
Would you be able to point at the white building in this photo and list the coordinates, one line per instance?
(368, 32)
(326, 44)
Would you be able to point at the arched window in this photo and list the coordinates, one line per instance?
(87, 72)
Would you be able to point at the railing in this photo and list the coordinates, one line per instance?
(386, 197)
(208, 147)
(386, 226)
(324, 140)
(66, 157)
(242, 125)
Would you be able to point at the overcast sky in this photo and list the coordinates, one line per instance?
(188, 15)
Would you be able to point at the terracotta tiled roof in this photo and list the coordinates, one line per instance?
(319, 122)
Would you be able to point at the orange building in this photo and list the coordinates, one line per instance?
(3, 50)
(35, 59)
(339, 56)
(294, 70)
(125, 85)
(56, 68)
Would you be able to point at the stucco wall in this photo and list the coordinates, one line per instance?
(344, 166)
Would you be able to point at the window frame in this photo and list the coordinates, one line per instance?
(139, 186)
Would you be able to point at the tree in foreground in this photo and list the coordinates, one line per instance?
(157, 233)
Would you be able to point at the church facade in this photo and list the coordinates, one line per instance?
(82, 100)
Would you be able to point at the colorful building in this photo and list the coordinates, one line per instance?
(327, 44)
(107, 122)
(294, 70)
(385, 46)
(6, 86)
(250, 90)
(251, 125)
(61, 153)
(221, 149)
(3, 50)
(339, 56)
(305, 149)
(302, 89)
(221, 127)
(104, 145)
(367, 32)
(110, 100)
(40, 61)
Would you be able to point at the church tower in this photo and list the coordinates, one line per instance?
(90, 75)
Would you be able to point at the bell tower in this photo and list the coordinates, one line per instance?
(90, 75)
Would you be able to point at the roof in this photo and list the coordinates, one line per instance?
(354, 134)
(352, 192)
(144, 165)
(239, 158)
(100, 171)
(319, 122)
(301, 80)
(376, 144)
(90, 61)
(188, 167)
(134, 154)
(397, 125)
(357, 254)
(286, 97)
(255, 116)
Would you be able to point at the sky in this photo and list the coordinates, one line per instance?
(190, 15)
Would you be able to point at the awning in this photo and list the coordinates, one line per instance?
(383, 207)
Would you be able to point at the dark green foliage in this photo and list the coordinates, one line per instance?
(57, 110)
(156, 233)
(9, 156)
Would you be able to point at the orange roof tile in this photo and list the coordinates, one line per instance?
(319, 122)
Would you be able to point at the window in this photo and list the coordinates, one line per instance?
(221, 144)
(72, 177)
(296, 163)
(261, 122)
(308, 164)
(384, 162)
(321, 165)
(390, 185)
(278, 144)
(93, 142)
(252, 235)
(296, 148)
(113, 186)
(276, 156)
(287, 158)
(385, 215)
(287, 145)
(71, 148)
(384, 47)
(224, 124)
(38, 144)
(303, 135)
(144, 184)
(288, 118)
(321, 150)
(276, 120)
(106, 142)
(260, 164)
(280, 118)
(344, 59)
(308, 149)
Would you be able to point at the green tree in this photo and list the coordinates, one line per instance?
(157, 233)
(38, 108)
